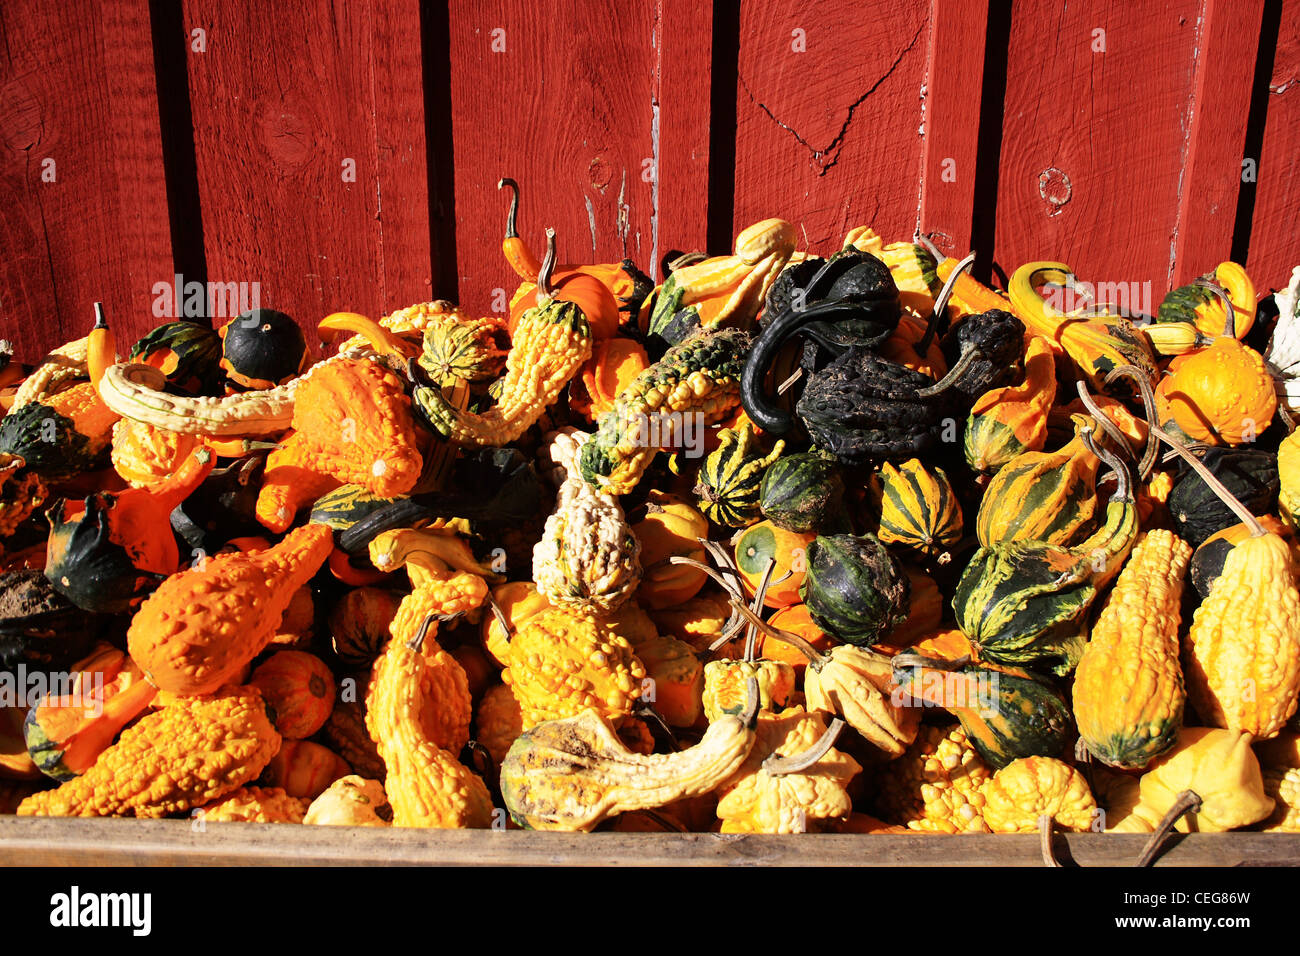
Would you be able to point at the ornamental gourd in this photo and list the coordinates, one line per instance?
(562, 662)
(671, 528)
(1025, 790)
(571, 774)
(695, 384)
(187, 754)
(787, 551)
(1026, 603)
(107, 555)
(351, 801)
(588, 556)
(1097, 342)
(65, 734)
(186, 637)
(359, 622)
(937, 785)
(188, 353)
(918, 509)
(255, 805)
(1006, 713)
(854, 589)
(727, 686)
(1009, 421)
(1220, 768)
(550, 344)
(792, 780)
(1128, 687)
(303, 769)
(61, 435)
(1041, 496)
(803, 493)
(262, 348)
(300, 689)
(1250, 476)
(731, 477)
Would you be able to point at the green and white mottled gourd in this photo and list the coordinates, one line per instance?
(731, 476)
(588, 556)
(695, 384)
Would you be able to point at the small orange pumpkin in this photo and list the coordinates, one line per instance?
(304, 769)
(300, 688)
(796, 620)
(359, 623)
(613, 365)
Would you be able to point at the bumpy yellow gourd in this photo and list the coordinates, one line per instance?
(937, 785)
(725, 683)
(756, 800)
(562, 662)
(1244, 643)
(1128, 687)
(1032, 787)
(256, 805)
(1219, 767)
(191, 752)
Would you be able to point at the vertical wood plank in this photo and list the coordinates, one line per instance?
(77, 88)
(684, 75)
(1274, 237)
(1094, 142)
(952, 120)
(829, 137)
(562, 99)
(1212, 174)
(299, 138)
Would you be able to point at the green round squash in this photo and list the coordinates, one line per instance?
(854, 589)
(1199, 513)
(262, 348)
(803, 492)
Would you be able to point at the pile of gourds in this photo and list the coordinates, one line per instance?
(787, 543)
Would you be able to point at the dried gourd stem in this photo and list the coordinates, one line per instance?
(778, 765)
(1123, 481)
(1285, 415)
(500, 615)
(760, 592)
(503, 183)
(544, 290)
(1207, 476)
(1103, 421)
(666, 822)
(1230, 322)
(957, 371)
(815, 659)
(794, 377)
(1152, 451)
(922, 345)
(686, 259)
(911, 659)
(1045, 840)
(923, 240)
(752, 700)
(417, 643)
(646, 711)
(1189, 801)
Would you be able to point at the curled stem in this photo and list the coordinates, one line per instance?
(959, 369)
(1189, 801)
(1152, 452)
(941, 304)
(778, 765)
(503, 183)
(1111, 430)
(1123, 481)
(760, 593)
(544, 290)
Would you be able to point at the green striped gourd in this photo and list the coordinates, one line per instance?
(1041, 496)
(731, 476)
(917, 508)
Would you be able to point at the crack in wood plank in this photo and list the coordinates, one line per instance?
(838, 140)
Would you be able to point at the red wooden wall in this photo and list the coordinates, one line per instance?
(344, 156)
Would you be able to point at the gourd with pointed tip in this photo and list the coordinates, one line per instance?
(199, 629)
